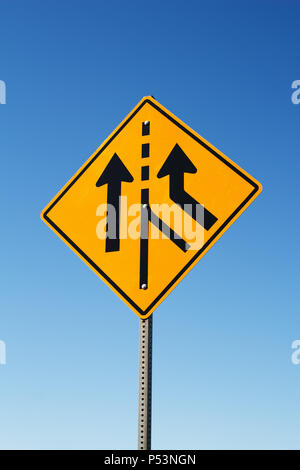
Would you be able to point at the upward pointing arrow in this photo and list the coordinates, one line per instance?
(113, 175)
(177, 163)
(175, 166)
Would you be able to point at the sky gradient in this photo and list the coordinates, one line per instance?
(222, 371)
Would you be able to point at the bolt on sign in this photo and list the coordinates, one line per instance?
(148, 204)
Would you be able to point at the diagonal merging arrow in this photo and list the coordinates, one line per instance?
(176, 165)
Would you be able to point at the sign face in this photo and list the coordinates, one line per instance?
(148, 204)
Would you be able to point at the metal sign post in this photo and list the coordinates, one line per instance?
(145, 384)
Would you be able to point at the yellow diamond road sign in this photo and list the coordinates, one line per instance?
(148, 204)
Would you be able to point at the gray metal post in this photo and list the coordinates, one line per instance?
(145, 384)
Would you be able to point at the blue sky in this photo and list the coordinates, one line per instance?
(222, 371)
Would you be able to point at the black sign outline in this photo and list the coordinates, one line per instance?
(199, 252)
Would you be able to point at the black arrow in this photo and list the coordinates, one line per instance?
(113, 175)
(176, 165)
